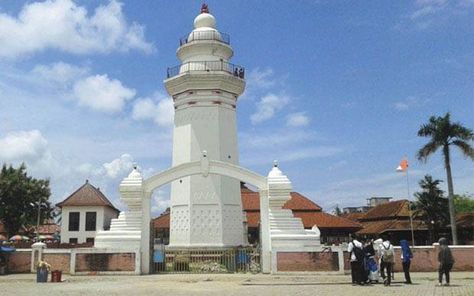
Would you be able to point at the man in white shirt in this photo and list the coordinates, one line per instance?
(355, 250)
(387, 255)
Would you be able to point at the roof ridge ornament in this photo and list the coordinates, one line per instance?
(204, 8)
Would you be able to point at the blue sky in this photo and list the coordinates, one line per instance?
(336, 90)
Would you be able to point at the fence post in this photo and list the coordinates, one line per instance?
(340, 257)
(72, 262)
(265, 258)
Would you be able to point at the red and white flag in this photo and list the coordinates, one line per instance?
(403, 165)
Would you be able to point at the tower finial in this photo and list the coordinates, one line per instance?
(204, 8)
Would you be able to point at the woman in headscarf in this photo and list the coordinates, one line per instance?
(406, 260)
(445, 259)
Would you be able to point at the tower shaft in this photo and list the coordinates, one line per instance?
(205, 211)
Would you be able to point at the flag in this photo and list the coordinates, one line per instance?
(403, 165)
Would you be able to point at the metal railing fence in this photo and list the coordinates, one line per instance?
(207, 261)
(205, 35)
(206, 66)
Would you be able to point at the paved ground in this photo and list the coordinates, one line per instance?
(234, 284)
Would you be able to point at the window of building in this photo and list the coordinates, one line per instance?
(90, 240)
(91, 219)
(74, 221)
(73, 240)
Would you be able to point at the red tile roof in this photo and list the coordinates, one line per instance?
(251, 201)
(324, 220)
(87, 195)
(465, 220)
(353, 216)
(378, 227)
(393, 209)
(163, 221)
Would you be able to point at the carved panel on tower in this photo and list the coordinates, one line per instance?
(205, 224)
(233, 227)
(204, 197)
(179, 222)
(189, 115)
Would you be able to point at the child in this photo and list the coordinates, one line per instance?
(406, 260)
(445, 259)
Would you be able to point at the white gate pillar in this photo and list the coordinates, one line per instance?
(126, 231)
(145, 241)
(286, 232)
(265, 232)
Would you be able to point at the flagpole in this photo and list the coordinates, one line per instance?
(409, 209)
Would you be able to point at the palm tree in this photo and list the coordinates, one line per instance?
(443, 133)
(431, 206)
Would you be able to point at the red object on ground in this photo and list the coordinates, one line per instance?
(56, 276)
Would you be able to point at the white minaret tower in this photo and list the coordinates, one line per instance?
(205, 211)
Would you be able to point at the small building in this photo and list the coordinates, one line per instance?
(83, 213)
(360, 209)
(377, 200)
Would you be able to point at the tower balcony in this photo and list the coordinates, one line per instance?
(205, 35)
(206, 67)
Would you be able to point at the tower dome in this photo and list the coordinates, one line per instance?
(205, 20)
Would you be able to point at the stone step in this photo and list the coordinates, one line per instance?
(287, 231)
(299, 226)
(292, 220)
(118, 222)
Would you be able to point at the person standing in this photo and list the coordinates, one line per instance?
(357, 260)
(445, 259)
(406, 257)
(370, 263)
(386, 262)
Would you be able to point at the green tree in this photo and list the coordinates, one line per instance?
(443, 134)
(431, 206)
(337, 211)
(19, 198)
(463, 203)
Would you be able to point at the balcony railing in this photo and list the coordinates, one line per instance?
(207, 66)
(205, 35)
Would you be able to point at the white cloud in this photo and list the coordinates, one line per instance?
(429, 13)
(400, 106)
(23, 146)
(310, 153)
(63, 25)
(268, 106)
(159, 108)
(98, 92)
(297, 119)
(264, 139)
(31, 148)
(60, 72)
(118, 167)
(101, 93)
(160, 201)
(410, 102)
(261, 78)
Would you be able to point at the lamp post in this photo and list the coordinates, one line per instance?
(38, 220)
